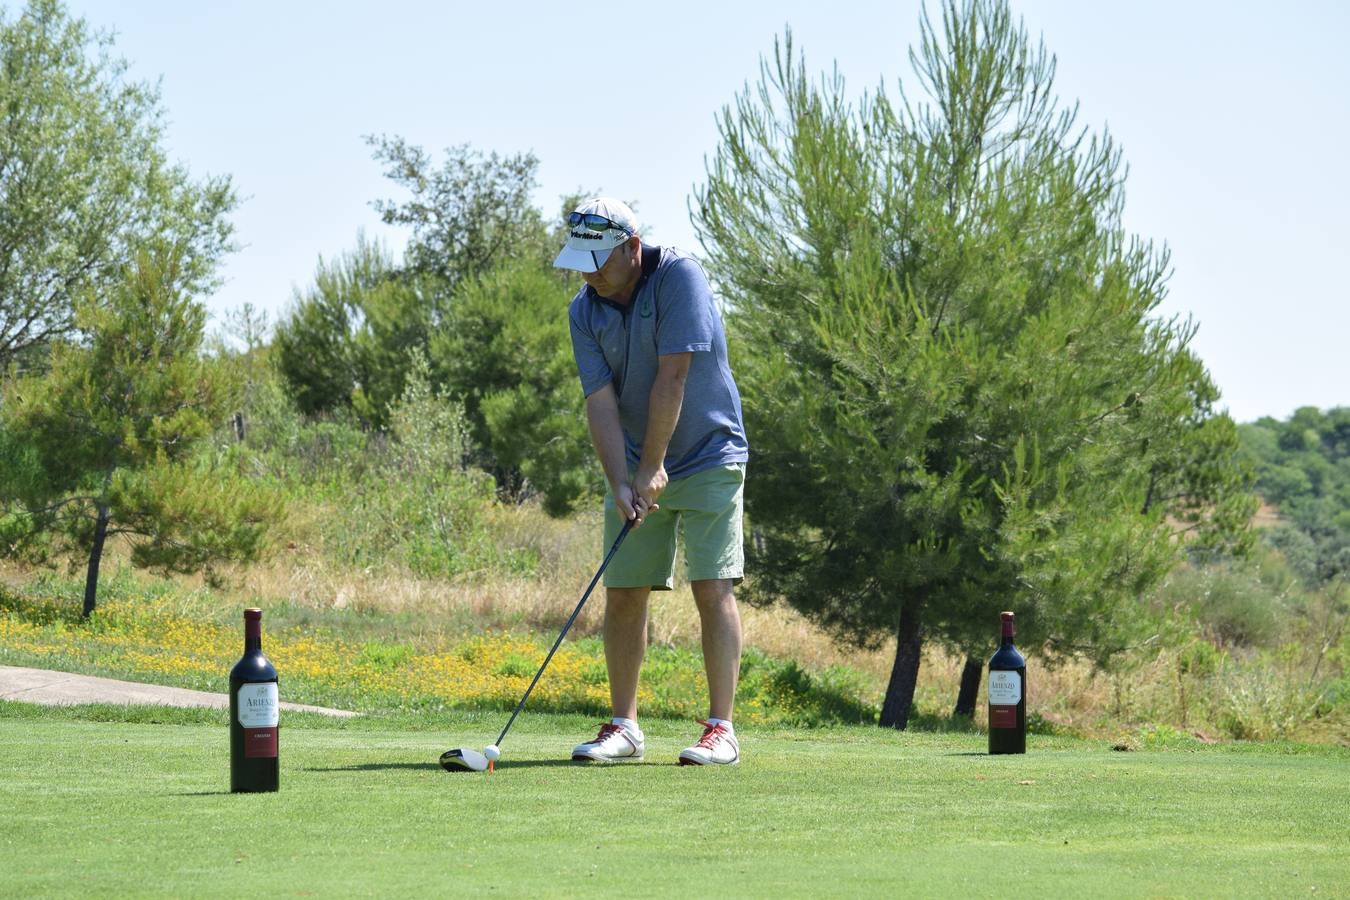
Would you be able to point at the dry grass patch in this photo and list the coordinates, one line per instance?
(1197, 687)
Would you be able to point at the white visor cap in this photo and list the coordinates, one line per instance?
(590, 240)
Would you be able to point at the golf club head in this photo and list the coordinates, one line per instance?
(463, 760)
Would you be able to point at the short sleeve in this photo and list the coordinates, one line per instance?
(591, 365)
(686, 316)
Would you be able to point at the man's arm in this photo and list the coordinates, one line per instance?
(663, 413)
(602, 416)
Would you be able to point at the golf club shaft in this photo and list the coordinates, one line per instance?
(627, 526)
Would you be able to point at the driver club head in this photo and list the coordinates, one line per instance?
(463, 759)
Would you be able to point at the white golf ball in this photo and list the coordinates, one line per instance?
(491, 752)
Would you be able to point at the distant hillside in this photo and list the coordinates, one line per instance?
(1302, 468)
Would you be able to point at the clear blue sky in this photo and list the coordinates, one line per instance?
(1233, 116)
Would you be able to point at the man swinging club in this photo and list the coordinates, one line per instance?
(665, 418)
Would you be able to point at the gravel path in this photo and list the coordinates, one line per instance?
(64, 688)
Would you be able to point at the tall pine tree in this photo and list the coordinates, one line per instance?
(957, 389)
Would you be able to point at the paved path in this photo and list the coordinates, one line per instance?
(63, 688)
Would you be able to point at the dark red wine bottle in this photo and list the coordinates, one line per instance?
(1007, 695)
(254, 714)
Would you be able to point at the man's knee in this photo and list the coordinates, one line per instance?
(626, 601)
(714, 593)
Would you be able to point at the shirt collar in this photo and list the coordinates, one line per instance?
(651, 259)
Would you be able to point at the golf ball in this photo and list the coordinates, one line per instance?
(491, 752)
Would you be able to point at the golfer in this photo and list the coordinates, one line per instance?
(665, 418)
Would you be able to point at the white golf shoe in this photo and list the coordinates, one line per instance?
(614, 743)
(717, 747)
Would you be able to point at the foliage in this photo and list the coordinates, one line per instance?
(505, 349)
(1204, 483)
(429, 427)
(466, 215)
(111, 441)
(346, 340)
(84, 179)
(422, 504)
(476, 292)
(133, 638)
(401, 498)
(1303, 467)
(1250, 651)
(1232, 604)
(960, 398)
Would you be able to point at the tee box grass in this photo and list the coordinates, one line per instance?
(128, 801)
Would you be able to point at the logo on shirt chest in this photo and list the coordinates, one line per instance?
(645, 310)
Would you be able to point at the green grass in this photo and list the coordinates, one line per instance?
(105, 800)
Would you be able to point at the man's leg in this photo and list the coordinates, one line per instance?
(710, 512)
(647, 558)
(721, 626)
(625, 644)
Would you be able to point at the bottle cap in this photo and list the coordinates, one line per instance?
(1007, 619)
(253, 614)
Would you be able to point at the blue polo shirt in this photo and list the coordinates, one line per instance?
(672, 311)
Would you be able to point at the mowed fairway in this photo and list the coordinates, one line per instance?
(95, 808)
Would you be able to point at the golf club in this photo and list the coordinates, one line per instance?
(463, 759)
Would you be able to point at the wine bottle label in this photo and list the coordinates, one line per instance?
(259, 706)
(1005, 688)
(260, 743)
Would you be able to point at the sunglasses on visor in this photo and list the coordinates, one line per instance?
(594, 222)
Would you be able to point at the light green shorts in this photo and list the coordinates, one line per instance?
(706, 508)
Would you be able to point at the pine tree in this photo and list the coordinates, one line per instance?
(957, 388)
(504, 348)
(112, 440)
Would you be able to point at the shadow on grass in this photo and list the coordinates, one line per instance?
(375, 767)
(936, 723)
(567, 764)
(431, 766)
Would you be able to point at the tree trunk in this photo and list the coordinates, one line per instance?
(95, 556)
(970, 687)
(905, 672)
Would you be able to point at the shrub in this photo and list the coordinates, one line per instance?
(406, 498)
(1253, 702)
(399, 498)
(1228, 601)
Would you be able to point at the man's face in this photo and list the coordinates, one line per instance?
(615, 275)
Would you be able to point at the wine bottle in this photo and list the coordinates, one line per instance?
(254, 714)
(1007, 695)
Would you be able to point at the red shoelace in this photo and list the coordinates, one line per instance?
(711, 735)
(606, 729)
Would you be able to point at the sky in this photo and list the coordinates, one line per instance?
(1233, 118)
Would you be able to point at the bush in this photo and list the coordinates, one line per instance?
(1254, 702)
(430, 428)
(832, 695)
(402, 498)
(417, 505)
(1236, 609)
(505, 350)
(1229, 602)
